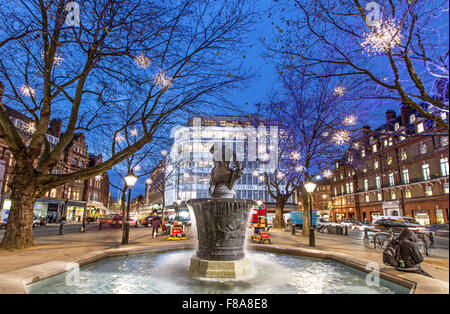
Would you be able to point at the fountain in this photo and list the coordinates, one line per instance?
(221, 226)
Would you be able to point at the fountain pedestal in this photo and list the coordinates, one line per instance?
(221, 227)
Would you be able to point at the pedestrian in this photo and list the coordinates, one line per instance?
(156, 221)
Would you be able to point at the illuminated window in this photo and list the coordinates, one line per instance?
(393, 195)
(391, 179)
(378, 182)
(446, 188)
(391, 141)
(407, 193)
(366, 184)
(374, 148)
(405, 175)
(423, 148)
(428, 191)
(363, 153)
(396, 126)
(379, 196)
(412, 118)
(376, 164)
(444, 141)
(420, 128)
(403, 155)
(389, 160)
(444, 166)
(367, 198)
(426, 171)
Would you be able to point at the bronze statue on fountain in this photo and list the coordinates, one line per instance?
(221, 224)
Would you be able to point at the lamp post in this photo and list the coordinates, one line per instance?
(310, 186)
(130, 180)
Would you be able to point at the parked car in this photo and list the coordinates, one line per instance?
(322, 221)
(107, 219)
(397, 225)
(440, 230)
(2, 224)
(117, 221)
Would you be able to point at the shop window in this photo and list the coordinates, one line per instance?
(429, 190)
(439, 216)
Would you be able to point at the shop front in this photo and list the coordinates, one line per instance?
(422, 216)
(75, 211)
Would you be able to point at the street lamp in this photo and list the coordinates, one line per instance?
(130, 181)
(310, 186)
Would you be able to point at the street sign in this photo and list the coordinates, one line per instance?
(264, 234)
(176, 230)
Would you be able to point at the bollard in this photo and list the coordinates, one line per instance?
(312, 241)
(293, 229)
(126, 231)
(61, 228)
(346, 230)
(100, 226)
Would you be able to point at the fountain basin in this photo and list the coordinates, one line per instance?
(165, 272)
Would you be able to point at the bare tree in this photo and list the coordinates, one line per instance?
(154, 57)
(317, 123)
(397, 49)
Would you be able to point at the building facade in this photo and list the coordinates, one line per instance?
(72, 199)
(400, 168)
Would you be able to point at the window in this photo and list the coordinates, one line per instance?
(402, 137)
(342, 189)
(426, 171)
(366, 185)
(407, 193)
(393, 195)
(412, 119)
(364, 169)
(444, 141)
(423, 148)
(367, 198)
(446, 188)
(385, 143)
(350, 159)
(351, 187)
(391, 179)
(420, 127)
(444, 166)
(396, 126)
(391, 141)
(389, 160)
(374, 148)
(375, 164)
(428, 191)
(378, 182)
(443, 116)
(379, 196)
(403, 155)
(363, 153)
(347, 187)
(405, 175)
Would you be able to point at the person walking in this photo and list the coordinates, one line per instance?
(156, 221)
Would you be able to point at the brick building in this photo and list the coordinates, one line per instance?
(70, 199)
(401, 168)
(322, 198)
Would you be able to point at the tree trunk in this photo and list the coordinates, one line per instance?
(305, 201)
(279, 211)
(24, 193)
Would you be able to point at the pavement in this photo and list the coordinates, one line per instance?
(50, 247)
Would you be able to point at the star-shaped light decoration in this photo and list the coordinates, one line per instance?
(328, 174)
(384, 36)
(134, 132)
(350, 120)
(29, 128)
(341, 137)
(119, 138)
(142, 61)
(295, 156)
(161, 80)
(339, 90)
(299, 168)
(27, 91)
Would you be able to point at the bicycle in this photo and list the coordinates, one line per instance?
(378, 241)
(425, 243)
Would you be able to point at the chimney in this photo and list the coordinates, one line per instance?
(55, 127)
(367, 132)
(406, 112)
(391, 116)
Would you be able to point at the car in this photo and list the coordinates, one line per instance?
(358, 225)
(117, 221)
(348, 223)
(107, 219)
(2, 224)
(322, 222)
(36, 222)
(147, 221)
(440, 230)
(397, 225)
